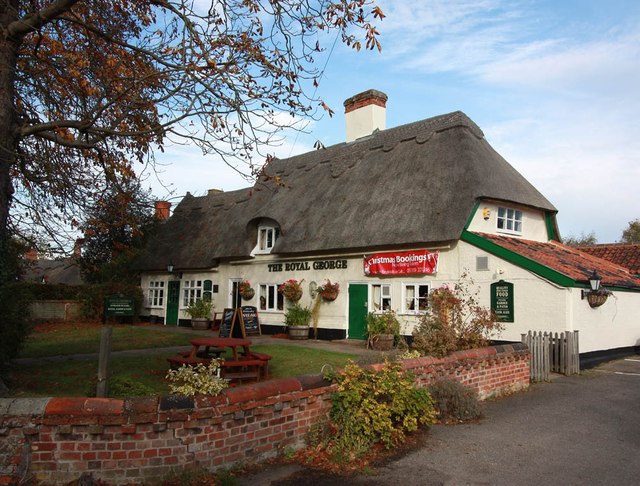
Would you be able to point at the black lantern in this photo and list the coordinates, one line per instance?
(170, 267)
(594, 281)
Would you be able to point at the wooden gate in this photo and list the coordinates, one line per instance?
(552, 352)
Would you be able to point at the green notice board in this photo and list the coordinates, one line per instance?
(119, 305)
(502, 300)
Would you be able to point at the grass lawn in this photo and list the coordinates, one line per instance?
(143, 375)
(65, 339)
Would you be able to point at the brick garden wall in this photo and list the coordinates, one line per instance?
(56, 440)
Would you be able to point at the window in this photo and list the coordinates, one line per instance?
(416, 298)
(381, 297)
(267, 236)
(191, 291)
(509, 220)
(270, 298)
(155, 294)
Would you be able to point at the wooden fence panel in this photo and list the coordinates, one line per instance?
(558, 353)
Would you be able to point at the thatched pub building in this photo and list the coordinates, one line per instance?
(388, 215)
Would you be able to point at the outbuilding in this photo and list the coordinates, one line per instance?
(388, 215)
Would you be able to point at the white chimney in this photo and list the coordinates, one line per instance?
(365, 113)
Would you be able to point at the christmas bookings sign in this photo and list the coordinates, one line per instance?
(401, 263)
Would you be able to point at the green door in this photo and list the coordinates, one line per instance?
(173, 301)
(358, 297)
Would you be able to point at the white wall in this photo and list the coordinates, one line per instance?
(533, 221)
(538, 304)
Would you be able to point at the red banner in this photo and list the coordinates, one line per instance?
(401, 263)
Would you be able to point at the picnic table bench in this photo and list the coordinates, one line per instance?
(242, 368)
(177, 361)
(265, 358)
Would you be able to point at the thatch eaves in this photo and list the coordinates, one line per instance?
(411, 185)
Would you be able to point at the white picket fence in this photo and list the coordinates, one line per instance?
(552, 352)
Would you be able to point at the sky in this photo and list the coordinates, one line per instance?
(553, 84)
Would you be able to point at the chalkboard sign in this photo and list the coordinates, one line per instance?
(249, 319)
(227, 322)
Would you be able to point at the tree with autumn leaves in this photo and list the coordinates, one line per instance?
(88, 90)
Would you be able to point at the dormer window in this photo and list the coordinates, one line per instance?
(509, 220)
(267, 236)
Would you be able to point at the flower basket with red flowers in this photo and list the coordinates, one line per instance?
(292, 290)
(246, 291)
(329, 291)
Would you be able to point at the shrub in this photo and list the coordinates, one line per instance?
(296, 315)
(122, 387)
(15, 326)
(196, 380)
(200, 309)
(372, 407)
(454, 401)
(385, 323)
(454, 321)
(92, 297)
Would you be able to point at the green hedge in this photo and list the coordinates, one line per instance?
(92, 297)
(14, 321)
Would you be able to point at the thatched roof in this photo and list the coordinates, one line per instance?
(411, 185)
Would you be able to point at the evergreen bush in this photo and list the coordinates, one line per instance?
(15, 324)
(372, 407)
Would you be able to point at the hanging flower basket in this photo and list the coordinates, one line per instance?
(329, 291)
(596, 299)
(292, 290)
(246, 292)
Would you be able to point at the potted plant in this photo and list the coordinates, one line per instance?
(329, 291)
(297, 318)
(246, 291)
(200, 313)
(382, 330)
(292, 290)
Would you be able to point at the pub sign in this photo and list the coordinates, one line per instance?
(502, 300)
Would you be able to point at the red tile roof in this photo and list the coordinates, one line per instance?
(567, 261)
(623, 254)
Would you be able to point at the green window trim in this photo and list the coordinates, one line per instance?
(472, 215)
(551, 227)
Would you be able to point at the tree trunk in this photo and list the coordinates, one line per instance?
(8, 126)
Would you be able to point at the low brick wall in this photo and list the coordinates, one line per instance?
(56, 440)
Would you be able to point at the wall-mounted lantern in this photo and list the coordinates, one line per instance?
(596, 296)
(170, 268)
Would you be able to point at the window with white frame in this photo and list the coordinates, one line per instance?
(191, 291)
(267, 236)
(270, 298)
(155, 293)
(415, 297)
(509, 220)
(381, 297)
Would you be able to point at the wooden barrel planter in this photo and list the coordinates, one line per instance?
(298, 332)
(382, 342)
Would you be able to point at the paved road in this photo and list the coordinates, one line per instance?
(581, 430)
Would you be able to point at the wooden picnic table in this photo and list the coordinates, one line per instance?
(216, 346)
(242, 365)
